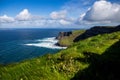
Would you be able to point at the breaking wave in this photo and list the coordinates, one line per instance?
(46, 43)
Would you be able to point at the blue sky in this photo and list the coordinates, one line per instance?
(58, 13)
(39, 7)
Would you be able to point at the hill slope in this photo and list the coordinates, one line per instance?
(95, 58)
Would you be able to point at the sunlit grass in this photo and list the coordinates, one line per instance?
(62, 65)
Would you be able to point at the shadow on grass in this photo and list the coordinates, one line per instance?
(95, 31)
(102, 67)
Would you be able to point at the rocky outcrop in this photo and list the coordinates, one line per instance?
(63, 34)
(61, 37)
(97, 30)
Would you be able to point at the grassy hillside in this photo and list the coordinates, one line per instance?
(84, 60)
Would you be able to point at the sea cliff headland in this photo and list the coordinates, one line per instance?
(93, 57)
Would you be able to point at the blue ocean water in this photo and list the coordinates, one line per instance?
(20, 44)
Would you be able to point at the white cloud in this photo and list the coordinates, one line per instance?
(60, 18)
(25, 18)
(82, 16)
(103, 0)
(24, 15)
(103, 11)
(58, 15)
(76, 7)
(64, 22)
(6, 19)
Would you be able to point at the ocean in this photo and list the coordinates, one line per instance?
(20, 44)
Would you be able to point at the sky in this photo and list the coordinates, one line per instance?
(58, 13)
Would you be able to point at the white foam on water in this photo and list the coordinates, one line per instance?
(46, 43)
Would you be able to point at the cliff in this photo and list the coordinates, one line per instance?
(95, 58)
(63, 34)
(66, 38)
(97, 30)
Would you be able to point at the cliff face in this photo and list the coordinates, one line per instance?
(97, 30)
(62, 37)
(63, 34)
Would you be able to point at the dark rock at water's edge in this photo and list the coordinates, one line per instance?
(97, 30)
(61, 45)
(63, 34)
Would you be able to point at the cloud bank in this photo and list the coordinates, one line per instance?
(101, 12)
(26, 19)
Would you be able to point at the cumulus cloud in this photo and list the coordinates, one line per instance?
(24, 15)
(6, 19)
(58, 15)
(103, 11)
(25, 18)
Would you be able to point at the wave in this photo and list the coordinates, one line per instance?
(46, 43)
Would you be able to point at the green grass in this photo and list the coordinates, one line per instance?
(63, 65)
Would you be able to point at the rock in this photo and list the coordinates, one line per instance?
(63, 34)
(60, 36)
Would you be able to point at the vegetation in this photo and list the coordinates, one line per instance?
(68, 40)
(95, 58)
